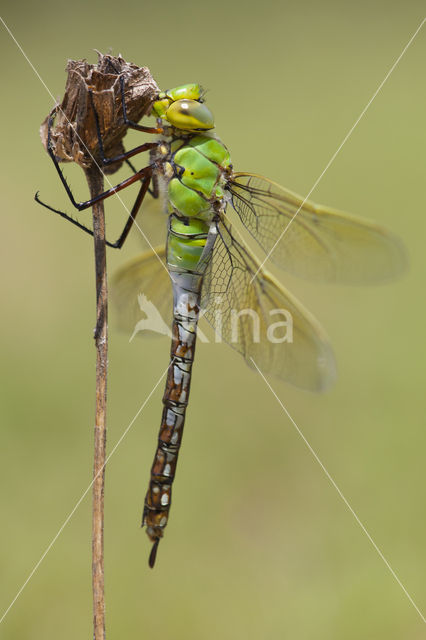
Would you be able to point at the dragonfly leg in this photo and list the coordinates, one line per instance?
(136, 206)
(130, 123)
(80, 206)
(155, 191)
(144, 175)
(155, 188)
(122, 156)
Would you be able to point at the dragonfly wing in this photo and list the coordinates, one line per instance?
(141, 292)
(262, 320)
(320, 243)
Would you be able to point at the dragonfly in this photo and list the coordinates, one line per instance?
(207, 266)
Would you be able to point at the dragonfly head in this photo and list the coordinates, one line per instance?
(183, 108)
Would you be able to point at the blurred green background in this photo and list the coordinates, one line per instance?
(259, 545)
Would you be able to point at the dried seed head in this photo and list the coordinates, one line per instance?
(73, 135)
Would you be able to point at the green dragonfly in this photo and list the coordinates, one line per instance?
(206, 265)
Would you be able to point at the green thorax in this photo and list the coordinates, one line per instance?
(199, 166)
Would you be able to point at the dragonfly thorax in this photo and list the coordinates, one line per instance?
(195, 170)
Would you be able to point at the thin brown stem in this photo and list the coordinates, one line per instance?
(95, 181)
(100, 103)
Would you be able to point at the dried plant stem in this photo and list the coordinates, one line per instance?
(95, 181)
(92, 106)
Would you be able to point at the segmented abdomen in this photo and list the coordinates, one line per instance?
(175, 400)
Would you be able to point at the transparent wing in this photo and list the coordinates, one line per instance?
(320, 244)
(253, 318)
(262, 320)
(146, 276)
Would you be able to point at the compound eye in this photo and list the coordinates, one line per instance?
(190, 115)
(189, 91)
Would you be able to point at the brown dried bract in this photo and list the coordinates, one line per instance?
(73, 135)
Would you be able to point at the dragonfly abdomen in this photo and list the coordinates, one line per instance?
(186, 313)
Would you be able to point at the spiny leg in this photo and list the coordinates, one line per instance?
(80, 206)
(122, 156)
(144, 174)
(113, 66)
(136, 206)
(130, 123)
(155, 191)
